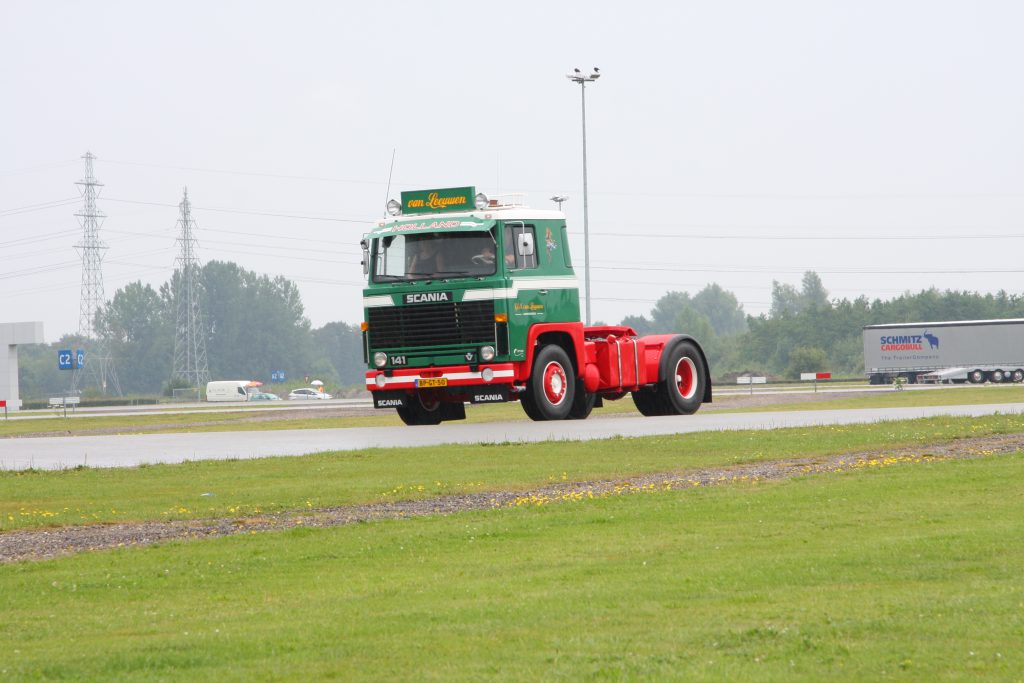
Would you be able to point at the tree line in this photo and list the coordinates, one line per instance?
(805, 330)
(255, 325)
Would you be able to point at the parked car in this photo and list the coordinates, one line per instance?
(263, 396)
(308, 394)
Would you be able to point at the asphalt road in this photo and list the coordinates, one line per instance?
(136, 449)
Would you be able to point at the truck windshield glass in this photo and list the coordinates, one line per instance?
(434, 255)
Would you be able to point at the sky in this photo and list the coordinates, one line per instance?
(877, 143)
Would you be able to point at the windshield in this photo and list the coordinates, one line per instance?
(433, 255)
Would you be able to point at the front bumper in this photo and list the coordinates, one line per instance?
(455, 376)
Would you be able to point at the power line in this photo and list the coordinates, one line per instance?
(614, 193)
(248, 213)
(822, 238)
(20, 242)
(796, 269)
(42, 206)
(254, 174)
(41, 167)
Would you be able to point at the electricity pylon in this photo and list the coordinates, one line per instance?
(99, 367)
(189, 336)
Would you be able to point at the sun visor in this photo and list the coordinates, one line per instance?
(434, 224)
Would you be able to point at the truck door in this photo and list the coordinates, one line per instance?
(529, 306)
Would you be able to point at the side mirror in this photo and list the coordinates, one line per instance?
(365, 246)
(526, 244)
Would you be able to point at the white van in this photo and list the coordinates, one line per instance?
(228, 390)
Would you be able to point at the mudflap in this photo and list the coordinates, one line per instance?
(490, 394)
(450, 410)
(453, 411)
(388, 399)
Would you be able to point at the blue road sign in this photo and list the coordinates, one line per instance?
(277, 375)
(65, 360)
(80, 358)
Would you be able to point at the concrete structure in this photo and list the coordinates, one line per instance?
(12, 334)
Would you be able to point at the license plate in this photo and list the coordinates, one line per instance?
(430, 382)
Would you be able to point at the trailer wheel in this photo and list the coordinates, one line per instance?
(998, 376)
(1018, 375)
(976, 376)
(420, 410)
(551, 390)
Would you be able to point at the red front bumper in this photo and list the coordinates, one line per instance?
(454, 376)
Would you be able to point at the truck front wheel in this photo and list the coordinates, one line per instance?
(551, 389)
(420, 410)
(583, 404)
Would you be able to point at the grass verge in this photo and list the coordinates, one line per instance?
(910, 573)
(216, 489)
(905, 399)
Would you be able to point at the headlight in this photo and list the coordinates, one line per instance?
(487, 353)
(380, 381)
(487, 375)
(480, 201)
(380, 359)
(395, 207)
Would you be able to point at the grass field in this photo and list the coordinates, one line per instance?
(243, 419)
(1006, 393)
(910, 572)
(237, 488)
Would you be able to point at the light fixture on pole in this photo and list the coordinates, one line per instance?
(558, 199)
(577, 76)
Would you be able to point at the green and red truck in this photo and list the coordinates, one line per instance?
(474, 300)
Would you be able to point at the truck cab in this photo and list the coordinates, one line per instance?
(463, 292)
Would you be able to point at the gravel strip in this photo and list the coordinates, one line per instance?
(49, 543)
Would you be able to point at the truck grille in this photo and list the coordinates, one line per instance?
(448, 324)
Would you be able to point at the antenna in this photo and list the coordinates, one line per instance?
(189, 334)
(387, 193)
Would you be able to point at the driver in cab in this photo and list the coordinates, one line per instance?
(426, 258)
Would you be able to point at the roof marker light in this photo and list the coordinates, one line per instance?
(394, 207)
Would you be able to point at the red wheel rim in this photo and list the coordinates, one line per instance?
(554, 383)
(686, 378)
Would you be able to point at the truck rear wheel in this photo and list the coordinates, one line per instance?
(646, 401)
(976, 376)
(551, 389)
(680, 390)
(998, 376)
(684, 384)
(1018, 375)
(420, 410)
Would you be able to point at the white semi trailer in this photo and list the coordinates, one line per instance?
(963, 350)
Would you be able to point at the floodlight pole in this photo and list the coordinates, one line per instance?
(578, 77)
